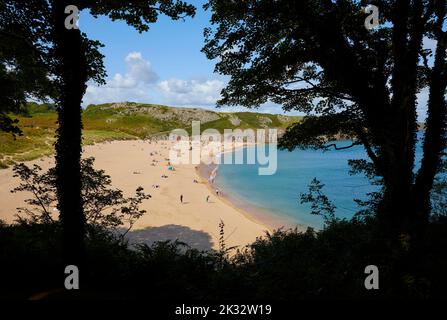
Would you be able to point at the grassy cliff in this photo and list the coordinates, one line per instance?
(121, 121)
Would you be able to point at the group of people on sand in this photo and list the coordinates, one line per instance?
(207, 197)
(170, 167)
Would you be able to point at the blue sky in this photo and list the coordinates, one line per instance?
(173, 47)
(164, 65)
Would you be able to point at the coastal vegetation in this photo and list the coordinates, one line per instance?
(312, 56)
(319, 58)
(282, 266)
(120, 121)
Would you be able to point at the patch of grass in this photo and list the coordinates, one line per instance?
(36, 108)
(219, 125)
(31, 139)
(257, 120)
(140, 125)
(97, 136)
(35, 153)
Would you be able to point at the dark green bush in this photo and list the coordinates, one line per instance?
(284, 265)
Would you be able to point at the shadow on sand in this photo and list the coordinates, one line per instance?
(196, 239)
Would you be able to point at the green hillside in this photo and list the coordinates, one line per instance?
(121, 121)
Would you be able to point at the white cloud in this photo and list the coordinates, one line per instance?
(191, 92)
(139, 71)
(97, 95)
(134, 85)
(140, 80)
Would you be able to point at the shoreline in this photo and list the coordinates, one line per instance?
(224, 198)
(135, 163)
(252, 212)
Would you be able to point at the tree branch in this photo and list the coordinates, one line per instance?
(334, 145)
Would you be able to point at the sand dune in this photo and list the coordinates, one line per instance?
(129, 164)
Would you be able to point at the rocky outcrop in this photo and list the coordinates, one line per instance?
(264, 122)
(182, 115)
(283, 118)
(235, 121)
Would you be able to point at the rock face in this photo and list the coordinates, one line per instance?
(264, 121)
(283, 119)
(235, 121)
(182, 115)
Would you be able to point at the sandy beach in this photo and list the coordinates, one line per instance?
(194, 221)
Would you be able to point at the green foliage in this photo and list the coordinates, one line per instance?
(320, 203)
(283, 265)
(9, 125)
(24, 67)
(104, 207)
(137, 14)
(317, 57)
(33, 108)
(219, 124)
(316, 132)
(439, 193)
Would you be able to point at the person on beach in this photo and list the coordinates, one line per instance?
(181, 198)
(217, 192)
(207, 199)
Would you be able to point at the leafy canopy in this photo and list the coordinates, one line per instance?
(29, 65)
(104, 206)
(316, 56)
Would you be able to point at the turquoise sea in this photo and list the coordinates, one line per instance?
(279, 194)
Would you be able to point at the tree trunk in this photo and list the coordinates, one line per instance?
(401, 122)
(394, 212)
(435, 127)
(72, 76)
